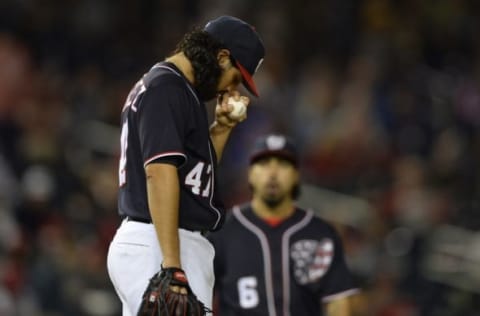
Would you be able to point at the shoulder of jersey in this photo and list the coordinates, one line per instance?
(241, 207)
(236, 208)
(317, 220)
(161, 75)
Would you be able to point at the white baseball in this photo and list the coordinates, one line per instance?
(239, 108)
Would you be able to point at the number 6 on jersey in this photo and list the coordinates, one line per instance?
(247, 292)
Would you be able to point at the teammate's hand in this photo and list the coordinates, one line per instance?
(223, 109)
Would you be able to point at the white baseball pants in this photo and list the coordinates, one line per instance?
(134, 257)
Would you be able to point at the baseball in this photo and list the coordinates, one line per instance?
(239, 108)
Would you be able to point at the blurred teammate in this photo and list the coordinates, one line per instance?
(273, 258)
(167, 173)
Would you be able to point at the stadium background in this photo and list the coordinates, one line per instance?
(382, 96)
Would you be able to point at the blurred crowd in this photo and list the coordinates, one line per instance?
(381, 96)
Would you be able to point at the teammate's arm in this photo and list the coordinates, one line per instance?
(338, 307)
(163, 201)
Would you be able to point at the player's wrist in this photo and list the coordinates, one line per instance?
(170, 263)
(218, 127)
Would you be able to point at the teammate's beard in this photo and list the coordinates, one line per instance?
(273, 201)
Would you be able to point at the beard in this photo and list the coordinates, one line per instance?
(273, 201)
(207, 90)
(206, 80)
(273, 195)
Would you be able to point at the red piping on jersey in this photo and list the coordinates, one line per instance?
(165, 154)
(274, 221)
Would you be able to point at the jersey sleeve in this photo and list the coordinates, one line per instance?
(338, 281)
(163, 121)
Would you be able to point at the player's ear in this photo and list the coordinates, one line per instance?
(296, 186)
(250, 176)
(224, 60)
(296, 176)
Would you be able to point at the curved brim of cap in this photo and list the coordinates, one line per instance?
(247, 79)
(274, 153)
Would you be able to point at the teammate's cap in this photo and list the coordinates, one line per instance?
(244, 44)
(274, 145)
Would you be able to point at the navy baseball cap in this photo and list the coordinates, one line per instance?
(274, 145)
(243, 42)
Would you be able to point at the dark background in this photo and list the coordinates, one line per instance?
(381, 96)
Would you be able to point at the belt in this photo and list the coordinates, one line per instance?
(129, 218)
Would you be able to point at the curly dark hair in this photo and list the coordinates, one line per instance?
(201, 49)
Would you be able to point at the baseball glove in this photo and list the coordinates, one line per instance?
(159, 299)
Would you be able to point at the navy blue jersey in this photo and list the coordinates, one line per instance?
(289, 269)
(163, 120)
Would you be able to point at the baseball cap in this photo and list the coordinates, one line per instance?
(244, 44)
(274, 145)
